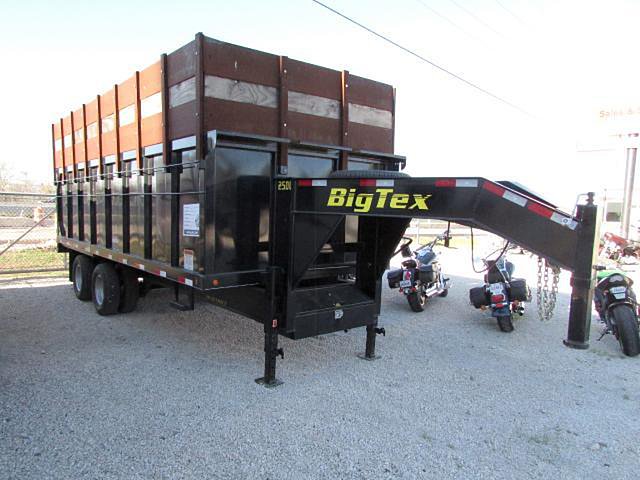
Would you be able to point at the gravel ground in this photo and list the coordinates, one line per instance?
(164, 394)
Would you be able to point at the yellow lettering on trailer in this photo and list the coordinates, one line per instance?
(386, 198)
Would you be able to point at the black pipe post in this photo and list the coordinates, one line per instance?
(271, 350)
(583, 278)
(370, 348)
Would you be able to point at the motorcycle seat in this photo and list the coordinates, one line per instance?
(411, 263)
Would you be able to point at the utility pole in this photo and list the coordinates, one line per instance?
(629, 178)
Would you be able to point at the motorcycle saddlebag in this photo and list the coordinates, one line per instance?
(478, 297)
(426, 274)
(518, 290)
(394, 277)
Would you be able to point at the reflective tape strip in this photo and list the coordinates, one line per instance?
(125, 261)
(162, 273)
(384, 183)
(493, 188)
(372, 182)
(536, 208)
(466, 183)
(512, 197)
(141, 266)
(188, 281)
(540, 210)
(446, 182)
(307, 182)
(565, 221)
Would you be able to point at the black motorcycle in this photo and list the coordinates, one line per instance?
(615, 302)
(420, 277)
(501, 293)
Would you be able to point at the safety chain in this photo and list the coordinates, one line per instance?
(547, 299)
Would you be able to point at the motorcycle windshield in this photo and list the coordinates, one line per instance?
(426, 256)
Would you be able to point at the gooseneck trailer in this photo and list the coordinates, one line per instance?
(270, 186)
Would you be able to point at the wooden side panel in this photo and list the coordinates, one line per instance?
(181, 64)
(313, 80)
(91, 112)
(240, 63)
(108, 123)
(57, 145)
(182, 121)
(363, 91)
(244, 90)
(240, 117)
(127, 92)
(314, 129)
(314, 103)
(67, 140)
(365, 137)
(127, 103)
(78, 137)
(151, 105)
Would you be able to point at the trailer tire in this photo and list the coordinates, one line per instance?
(81, 277)
(129, 291)
(368, 174)
(627, 330)
(416, 301)
(105, 289)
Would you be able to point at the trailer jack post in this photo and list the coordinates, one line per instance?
(583, 279)
(370, 350)
(271, 352)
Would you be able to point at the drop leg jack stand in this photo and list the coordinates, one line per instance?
(271, 352)
(370, 351)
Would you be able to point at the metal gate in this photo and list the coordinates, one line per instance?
(28, 234)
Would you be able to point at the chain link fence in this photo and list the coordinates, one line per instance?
(28, 235)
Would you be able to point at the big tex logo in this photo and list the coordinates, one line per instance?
(382, 198)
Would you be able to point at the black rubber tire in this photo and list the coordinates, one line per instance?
(416, 301)
(367, 174)
(444, 293)
(81, 273)
(106, 279)
(627, 330)
(505, 323)
(129, 290)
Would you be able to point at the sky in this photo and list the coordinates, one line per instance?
(561, 62)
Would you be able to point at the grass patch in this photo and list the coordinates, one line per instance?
(31, 259)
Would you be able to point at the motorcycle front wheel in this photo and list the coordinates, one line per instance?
(505, 322)
(627, 330)
(416, 301)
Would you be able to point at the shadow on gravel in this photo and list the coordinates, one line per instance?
(217, 334)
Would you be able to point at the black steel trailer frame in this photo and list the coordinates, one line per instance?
(316, 278)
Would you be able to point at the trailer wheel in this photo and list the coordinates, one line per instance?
(416, 301)
(505, 322)
(81, 277)
(367, 174)
(627, 330)
(105, 284)
(129, 291)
